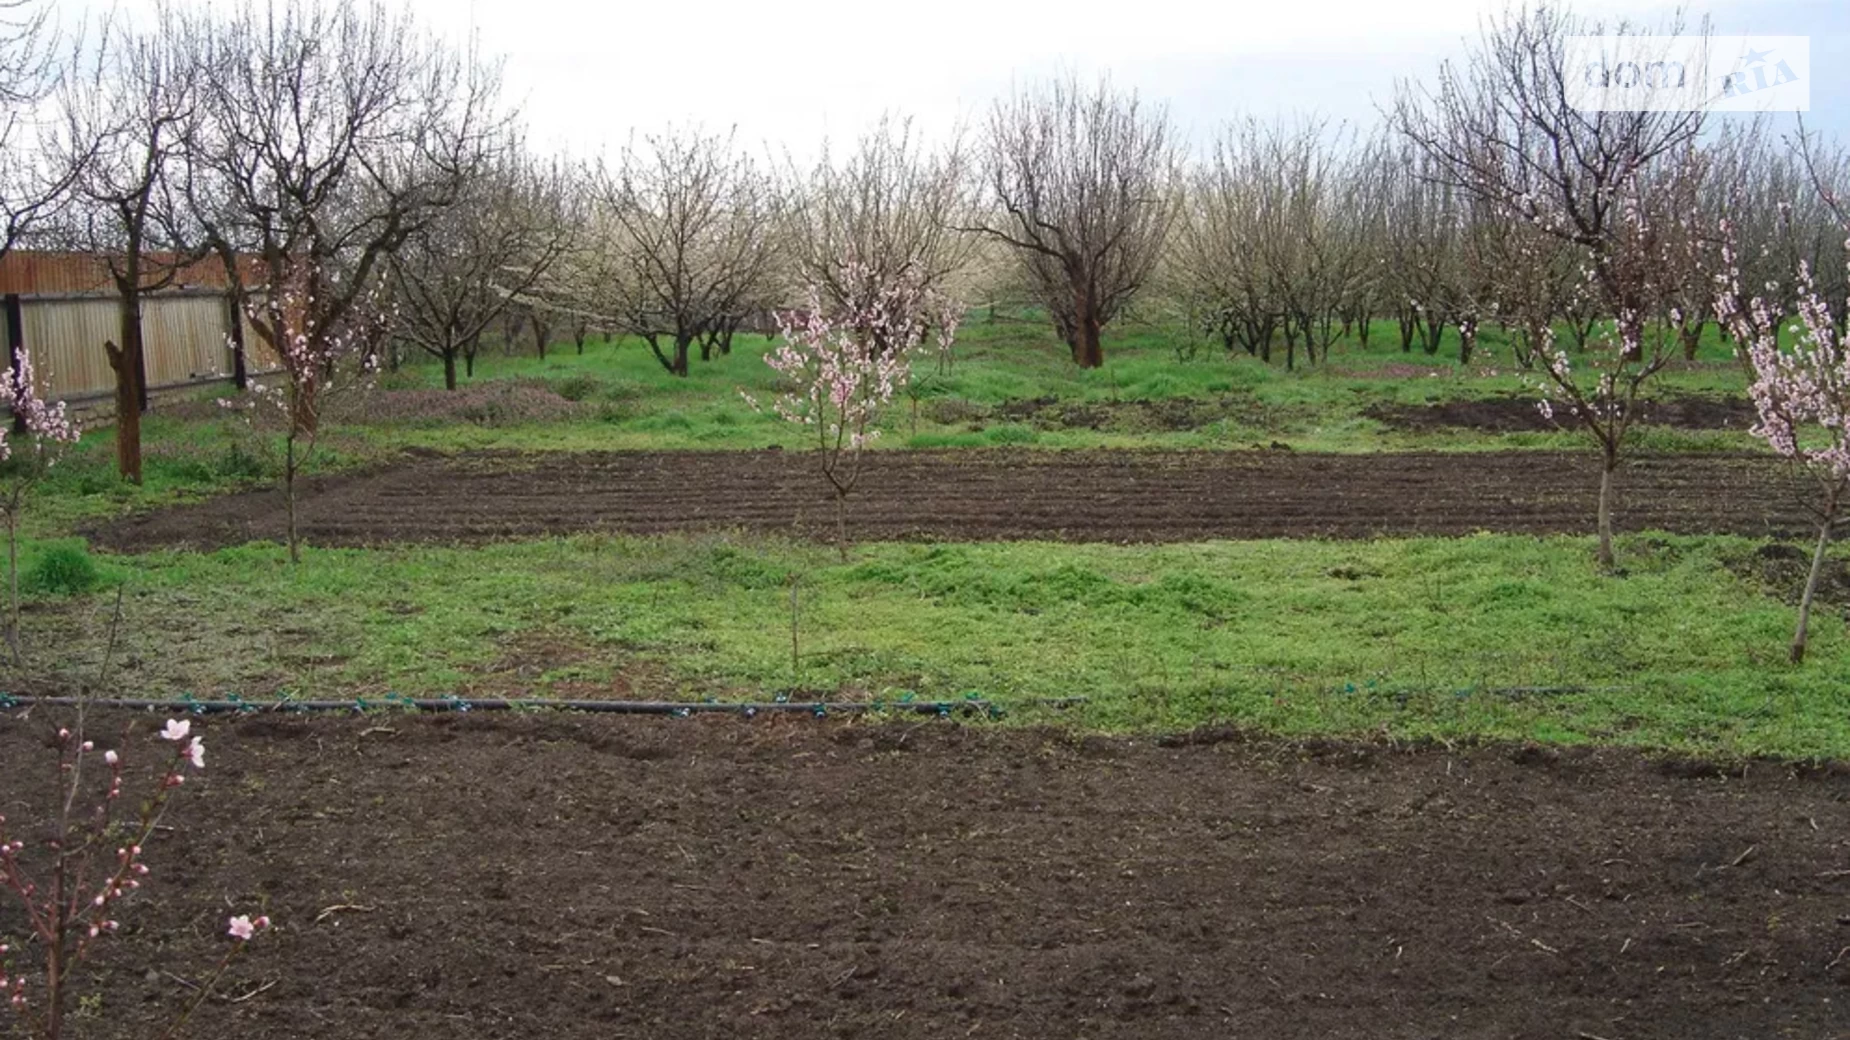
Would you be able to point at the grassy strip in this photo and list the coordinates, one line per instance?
(1488, 636)
(635, 405)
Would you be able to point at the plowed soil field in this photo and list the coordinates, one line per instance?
(561, 877)
(989, 496)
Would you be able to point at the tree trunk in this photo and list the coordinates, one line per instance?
(289, 465)
(1609, 463)
(1087, 351)
(240, 367)
(511, 324)
(1582, 330)
(131, 378)
(1803, 635)
(449, 368)
(1692, 339)
(15, 349)
(1091, 353)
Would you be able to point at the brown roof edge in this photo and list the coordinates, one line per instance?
(39, 272)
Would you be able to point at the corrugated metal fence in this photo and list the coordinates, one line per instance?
(186, 342)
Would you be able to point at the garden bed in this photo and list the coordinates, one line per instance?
(569, 876)
(1100, 496)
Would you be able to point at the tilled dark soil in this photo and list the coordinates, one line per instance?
(547, 876)
(1524, 414)
(976, 496)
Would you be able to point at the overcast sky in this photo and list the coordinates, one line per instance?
(786, 74)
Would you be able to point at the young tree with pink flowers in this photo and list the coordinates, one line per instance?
(24, 460)
(848, 360)
(1802, 395)
(1616, 190)
(1652, 246)
(71, 885)
(322, 355)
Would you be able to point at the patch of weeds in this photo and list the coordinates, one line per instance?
(61, 570)
(576, 388)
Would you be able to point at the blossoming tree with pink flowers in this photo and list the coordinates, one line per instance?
(323, 352)
(1651, 246)
(1802, 395)
(91, 862)
(846, 362)
(23, 462)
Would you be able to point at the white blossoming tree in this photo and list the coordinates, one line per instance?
(846, 362)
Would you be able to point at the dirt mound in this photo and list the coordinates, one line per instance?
(1781, 570)
(1523, 414)
(1097, 496)
(719, 878)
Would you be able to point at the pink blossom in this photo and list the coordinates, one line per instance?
(196, 753)
(111, 757)
(241, 928)
(1805, 386)
(50, 428)
(176, 730)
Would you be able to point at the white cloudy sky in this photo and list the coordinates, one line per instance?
(788, 72)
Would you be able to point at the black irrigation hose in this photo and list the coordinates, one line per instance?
(818, 709)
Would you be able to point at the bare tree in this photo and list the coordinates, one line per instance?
(680, 245)
(334, 132)
(1213, 267)
(888, 215)
(454, 277)
(1423, 248)
(1082, 183)
(133, 112)
(34, 178)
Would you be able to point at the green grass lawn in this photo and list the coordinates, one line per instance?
(1489, 636)
(633, 403)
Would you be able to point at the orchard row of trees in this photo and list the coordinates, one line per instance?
(365, 188)
(334, 134)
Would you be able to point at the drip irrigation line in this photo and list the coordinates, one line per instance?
(451, 704)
